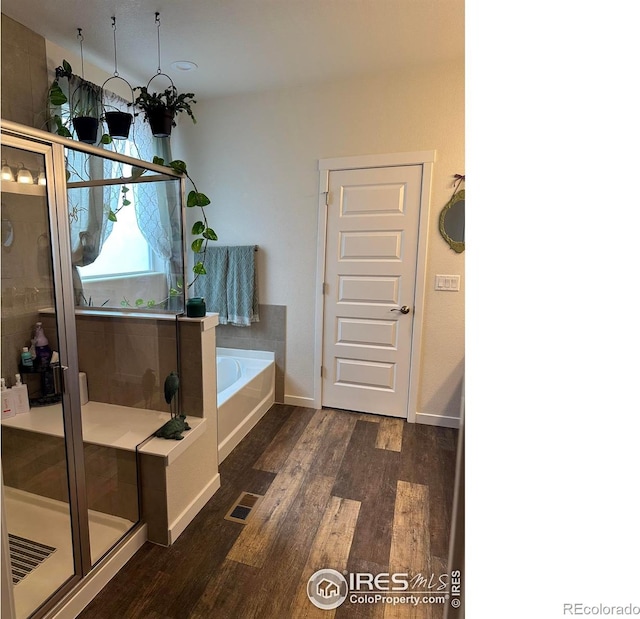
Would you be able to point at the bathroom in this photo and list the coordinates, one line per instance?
(279, 150)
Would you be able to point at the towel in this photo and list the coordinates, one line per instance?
(213, 285)
(230, 285)
(242, 293)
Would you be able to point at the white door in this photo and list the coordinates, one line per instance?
(370, 273)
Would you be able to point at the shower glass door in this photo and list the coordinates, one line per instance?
(40, 479)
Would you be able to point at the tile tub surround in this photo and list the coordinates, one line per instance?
(268, 334)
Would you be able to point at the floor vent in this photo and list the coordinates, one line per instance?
(241, 510)
(26, 555)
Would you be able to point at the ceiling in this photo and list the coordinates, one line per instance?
(251, 45)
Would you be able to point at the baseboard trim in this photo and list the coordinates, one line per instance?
(297, 400)
(81, 596)
(443, 421)
(183, 520)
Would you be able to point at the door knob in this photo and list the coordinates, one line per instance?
(403, 310)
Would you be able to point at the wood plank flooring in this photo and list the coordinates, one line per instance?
(346, 491)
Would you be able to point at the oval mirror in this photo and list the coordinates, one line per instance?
(452, 222)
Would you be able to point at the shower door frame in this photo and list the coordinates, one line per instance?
(65, 321)
(52, 147)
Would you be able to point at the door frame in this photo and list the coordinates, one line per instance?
(426, 159)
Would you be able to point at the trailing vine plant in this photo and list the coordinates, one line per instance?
(200, 228)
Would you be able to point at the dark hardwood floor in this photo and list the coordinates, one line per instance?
(345, 491)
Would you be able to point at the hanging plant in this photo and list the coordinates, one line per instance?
(161, 108)
(78, 112)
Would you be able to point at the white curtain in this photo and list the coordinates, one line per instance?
(88, 206)
(157, 205)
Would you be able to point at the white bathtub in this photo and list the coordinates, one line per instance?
(246, 391)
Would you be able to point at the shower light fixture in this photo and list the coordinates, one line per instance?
(42, 179)
(7, 173)
(24, 176)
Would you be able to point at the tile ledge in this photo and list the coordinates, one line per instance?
(206, 322)
(169, 449)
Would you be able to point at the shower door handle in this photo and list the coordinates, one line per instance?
(403, 310)
(59, 378)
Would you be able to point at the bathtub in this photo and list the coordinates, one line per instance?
(246, 391)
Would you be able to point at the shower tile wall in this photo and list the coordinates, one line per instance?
(26, 276)
(268, 334)
(116, 353)
(24, 74)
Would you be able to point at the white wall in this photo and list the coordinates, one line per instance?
(256, 157)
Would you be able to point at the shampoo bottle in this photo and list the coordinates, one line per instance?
(20, 396)
(8, 408)
(43, 351)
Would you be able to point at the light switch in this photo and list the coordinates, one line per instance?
(450, 283)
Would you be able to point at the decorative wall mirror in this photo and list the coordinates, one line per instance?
(452, 218)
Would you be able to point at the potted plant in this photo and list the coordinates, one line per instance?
(82, 112)
(85, 115)
(118, 122)
(160, 108)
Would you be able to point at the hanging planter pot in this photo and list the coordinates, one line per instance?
(118, 122)
(85, 105)
(161, 108)
(160, 120)
(86, 129)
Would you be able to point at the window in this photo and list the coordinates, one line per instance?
(124, 251)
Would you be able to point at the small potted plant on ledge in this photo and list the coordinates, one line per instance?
(160, 108)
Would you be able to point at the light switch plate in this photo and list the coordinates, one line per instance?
(450, 283)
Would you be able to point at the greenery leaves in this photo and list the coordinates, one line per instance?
(168, 99)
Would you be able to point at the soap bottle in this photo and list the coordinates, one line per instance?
(41, 343)
(20, 396)
(25, 358)
(8, 406)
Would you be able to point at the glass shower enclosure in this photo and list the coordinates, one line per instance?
(92, 285)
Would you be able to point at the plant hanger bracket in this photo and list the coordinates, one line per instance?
(116, 75)
(159, 70)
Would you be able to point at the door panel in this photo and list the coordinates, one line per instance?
(362, 332)
(369, 290)
(370, 266)
(374, 245)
